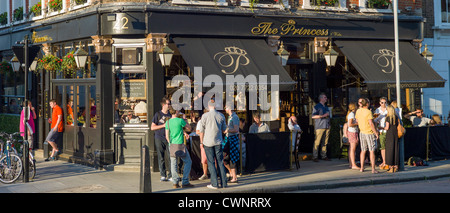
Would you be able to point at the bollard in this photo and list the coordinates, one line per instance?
(46, 150)
(26, 162)
(145, 185)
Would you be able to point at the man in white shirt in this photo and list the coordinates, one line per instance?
(295, 128)
(381, 112)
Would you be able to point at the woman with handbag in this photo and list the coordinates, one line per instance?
(392, 148)
(175, 136)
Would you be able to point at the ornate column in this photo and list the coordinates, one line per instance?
(155, 41)
(102, 44)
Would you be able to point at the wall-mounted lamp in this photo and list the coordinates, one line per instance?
(427, 54)
(283, 55)
(15, 64)
(330, 56)
(80, 57)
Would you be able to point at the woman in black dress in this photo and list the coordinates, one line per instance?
(392, 152)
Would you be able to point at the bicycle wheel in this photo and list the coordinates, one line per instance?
(10, 168)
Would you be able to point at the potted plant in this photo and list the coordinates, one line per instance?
(68, 64)
(18, 14)
(379, 4)
(3, 18)
(50, 63)
(5, 68)
(36, 9)
(78, 2)
(55, 5)
(328, 3)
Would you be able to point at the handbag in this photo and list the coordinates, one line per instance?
(400, 129)
(176, 150)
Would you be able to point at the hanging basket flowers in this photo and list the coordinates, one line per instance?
(55, 5)
(68, 64)
(50, 63)
(5, 68)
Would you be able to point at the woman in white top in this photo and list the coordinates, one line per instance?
(352, 134)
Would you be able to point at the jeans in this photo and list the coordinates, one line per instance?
(215, 152)
(162, 149)
(186, 171)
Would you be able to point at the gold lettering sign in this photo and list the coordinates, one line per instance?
(38, 39)
(289, 28)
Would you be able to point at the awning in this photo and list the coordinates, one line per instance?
(225, 57)
(375, 61)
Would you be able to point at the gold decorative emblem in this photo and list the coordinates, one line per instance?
(385, 59)
(232, 57)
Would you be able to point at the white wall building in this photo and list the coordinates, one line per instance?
(437, 100)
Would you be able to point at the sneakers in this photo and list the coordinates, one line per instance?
(211, 187)
(189, 185)
(163, 179)
(50, 159)
(203, 177)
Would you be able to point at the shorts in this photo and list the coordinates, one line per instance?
(53, 136)
(353, 137)
(382, 138)
(368, 142)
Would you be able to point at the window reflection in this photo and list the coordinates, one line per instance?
(81, 106)
(131, 98)
(93, 107)
(69, 106)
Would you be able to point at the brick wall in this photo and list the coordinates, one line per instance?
(428, 13)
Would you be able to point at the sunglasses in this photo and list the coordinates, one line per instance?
(382, 102)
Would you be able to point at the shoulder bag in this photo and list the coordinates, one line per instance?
(176, 150)
(400, 129)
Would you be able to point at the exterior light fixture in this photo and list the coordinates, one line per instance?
(427, 55)
(80, 57)
(330, 56)
(34, 64)
(15, 64)
(165, 54)
(283, 55)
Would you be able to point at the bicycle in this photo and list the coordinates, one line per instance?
(32, 161)
(10, 163)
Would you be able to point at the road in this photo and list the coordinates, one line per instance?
(441, 185)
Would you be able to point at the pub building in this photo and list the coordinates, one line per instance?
(108, 105)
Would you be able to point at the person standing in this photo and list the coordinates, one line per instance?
(368, 134)
(231, 143)
(352, 134)
(321, 116)
(380, 119)
(294, 128)
(212, 125)
(56, 130)
(174, 128)
(161, 143)
(392, 148)
(29, 127)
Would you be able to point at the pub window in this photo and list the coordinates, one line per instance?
(445, 11)
(69, 106)
(93, 107)
(131, 98)
(81, 106)
(12, 92)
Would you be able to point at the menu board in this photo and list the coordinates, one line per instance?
(133, 89)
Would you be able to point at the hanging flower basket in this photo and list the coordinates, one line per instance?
(68, 64)
(50, 63)
(5, 68)
(78, 2)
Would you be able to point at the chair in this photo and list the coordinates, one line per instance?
(344, 141)
(298, 136)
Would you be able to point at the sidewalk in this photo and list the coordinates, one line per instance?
(64, 177)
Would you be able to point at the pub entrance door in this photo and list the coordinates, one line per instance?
(78, 100)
